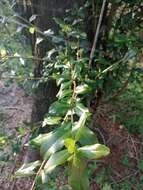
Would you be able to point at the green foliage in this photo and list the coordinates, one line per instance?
(130, 108)
(71, 140)
(14, 46)
(27, 170)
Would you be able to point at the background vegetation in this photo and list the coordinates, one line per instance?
(82, 62)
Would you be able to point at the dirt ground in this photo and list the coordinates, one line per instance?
(17, 107)
(121, 143)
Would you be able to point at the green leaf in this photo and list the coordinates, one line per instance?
(70, 145)
(95, 151)
(59, 108)
(32, 18)
(87, 137)
(80, 123)
(77, 129)
(2, 52)
(32, 30)
(27, 169)
(83, 89)
(106, 186)
(80, 109)
(59, 143)
(50, 141)
(65, 27)
(65, 90)
(64, 93)
(44, 177)
(55, 160)
(48, 32)
(41, 138)
(140, 165)
(78, 178)
(51, 121)
(39, 40)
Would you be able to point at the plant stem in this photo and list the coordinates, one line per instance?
(97, 33)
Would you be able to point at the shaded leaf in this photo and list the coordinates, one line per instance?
(80, 109)
(59, 108)
(87, 137)
(78, 178)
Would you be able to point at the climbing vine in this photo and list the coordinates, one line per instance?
(80, 77)
(71, 140)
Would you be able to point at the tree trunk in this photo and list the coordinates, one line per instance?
(46, 10)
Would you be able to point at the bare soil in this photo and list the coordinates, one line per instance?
(17, 107)
(121, 143)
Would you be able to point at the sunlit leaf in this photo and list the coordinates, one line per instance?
(32, 30)
(57, 145)
(49, 142)
(51, 121)
(55, 160)
(79, 125)
(16, 55)
(82, 89)
(48, 32)
(44, 177)
(41, 138)
(3, 52)
(54, 141)
(3, 140)
(64, 93)
(70, 145)
(27, 169)
(22, 61)
(32, 18)
(95, 151)
(39, 40)
(80, 109)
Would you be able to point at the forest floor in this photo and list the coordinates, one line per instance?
(15, 112)
(122, 170)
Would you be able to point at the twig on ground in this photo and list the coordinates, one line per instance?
(134, 147)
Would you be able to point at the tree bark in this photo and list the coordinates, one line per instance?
(46, 10)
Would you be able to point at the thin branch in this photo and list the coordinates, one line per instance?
(18, 57)
(97, 33)
(25, 78)
(38, 173)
